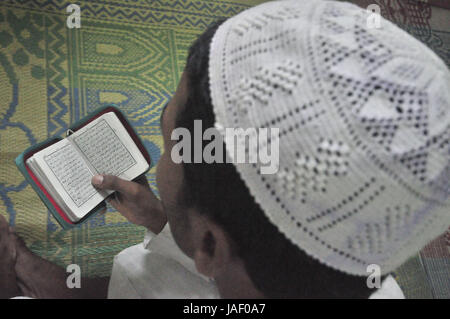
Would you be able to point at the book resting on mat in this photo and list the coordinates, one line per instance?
(60, 170)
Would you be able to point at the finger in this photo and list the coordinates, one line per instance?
(142, 180)
(114, 183)
(22, 287)
(118, 207)
(114, 203)
(25, 290)
(115, 196)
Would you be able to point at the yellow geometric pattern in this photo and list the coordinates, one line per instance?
(130, 53)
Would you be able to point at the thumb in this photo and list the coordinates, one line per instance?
(111, 183)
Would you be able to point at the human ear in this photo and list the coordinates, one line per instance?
(214, 250)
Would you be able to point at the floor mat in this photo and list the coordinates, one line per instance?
(130, 53)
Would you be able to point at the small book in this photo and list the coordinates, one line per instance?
(60, 170)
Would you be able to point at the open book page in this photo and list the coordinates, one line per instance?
(109, 149)
(65, 169)
(101, 147)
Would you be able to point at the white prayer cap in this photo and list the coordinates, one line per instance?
(363, 113)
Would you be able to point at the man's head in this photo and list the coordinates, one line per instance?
(216, 221)
(363, 151)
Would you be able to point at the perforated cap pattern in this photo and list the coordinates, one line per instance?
(364, 128)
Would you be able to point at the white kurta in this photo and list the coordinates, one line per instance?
(157, 268)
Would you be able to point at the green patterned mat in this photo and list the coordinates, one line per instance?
(127, 52)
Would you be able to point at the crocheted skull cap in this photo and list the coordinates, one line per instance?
(363, 115)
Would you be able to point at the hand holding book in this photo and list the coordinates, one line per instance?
(60, 169)
(134, 200)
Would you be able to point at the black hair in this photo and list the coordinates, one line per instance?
(277, 267)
